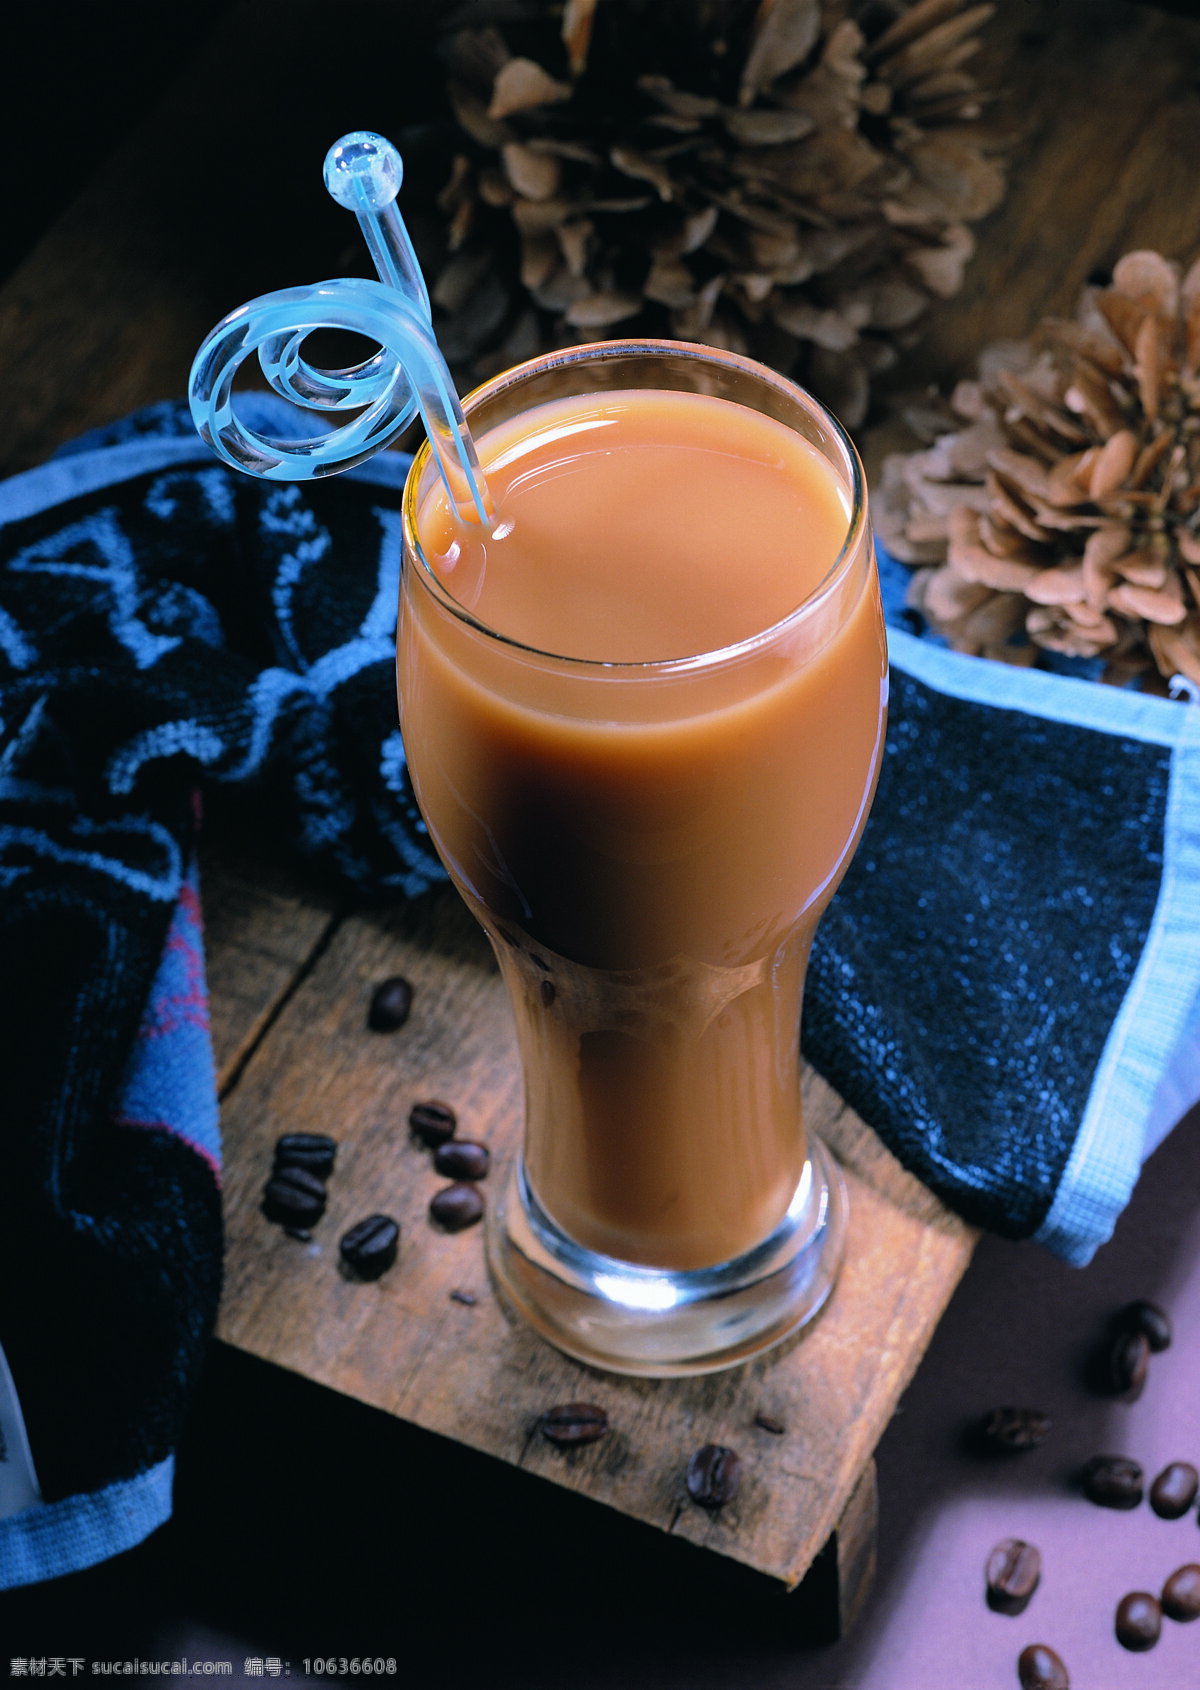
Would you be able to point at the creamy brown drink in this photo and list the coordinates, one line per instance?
(649, 836)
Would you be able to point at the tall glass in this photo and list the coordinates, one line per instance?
(649, 846)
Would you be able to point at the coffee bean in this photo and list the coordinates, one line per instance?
(433, 1122)
(1013, 1571)
(1039, 1668)
(314, 1151)
(462, 1158)
(574, 1423)
(1139, 1621)
(370, 1246)
(1174, 1490)
(1007, 1429)
(391, 1002)
(1146, 1317)
(1128, 1364)
(1112, 1481)
(713, 1475)
(456, 1206)
(1181, 1593)
(768, 1423)
(294, 1197)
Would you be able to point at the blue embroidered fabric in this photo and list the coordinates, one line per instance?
(1007, 986)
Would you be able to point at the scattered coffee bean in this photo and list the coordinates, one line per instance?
(467, 1298)
(768, 1423)
(433, 1122)
(1146, 1317)
(1014, 1569)
(1007, 1429)
(314, 1151)
(456, 1206)
(370, 1246)
(1128, 1364)
(1113, 1481)
(294, 1197)
(713, 1475)
(1181, 1593)
(574, 1423)
(548, 992)
(1174, 1490)
(391, 1002)
(462, 1158)
(1039, 1668)
(1139, 1621)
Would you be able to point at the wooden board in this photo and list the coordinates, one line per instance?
(268, 933)
(470, 1373)
(1104, 105)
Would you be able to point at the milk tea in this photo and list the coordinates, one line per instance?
(643, 719)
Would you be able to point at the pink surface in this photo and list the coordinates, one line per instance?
(1019, 1331)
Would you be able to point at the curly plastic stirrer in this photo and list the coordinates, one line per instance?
(363, 172)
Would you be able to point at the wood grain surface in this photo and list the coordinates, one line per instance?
(1103, 101)
(470, 1372)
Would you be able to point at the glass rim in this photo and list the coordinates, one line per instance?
(601, 351)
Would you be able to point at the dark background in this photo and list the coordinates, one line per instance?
(76, 85)
(306, 1524)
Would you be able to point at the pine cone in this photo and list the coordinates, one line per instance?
(788, 178)
(1066, 515)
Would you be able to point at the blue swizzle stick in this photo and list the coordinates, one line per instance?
(363, 172)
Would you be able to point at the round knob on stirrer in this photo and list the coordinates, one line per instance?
(363, 172)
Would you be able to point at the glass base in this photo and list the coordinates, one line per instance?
(661, 1323)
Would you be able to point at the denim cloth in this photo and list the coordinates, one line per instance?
(1007, 986)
